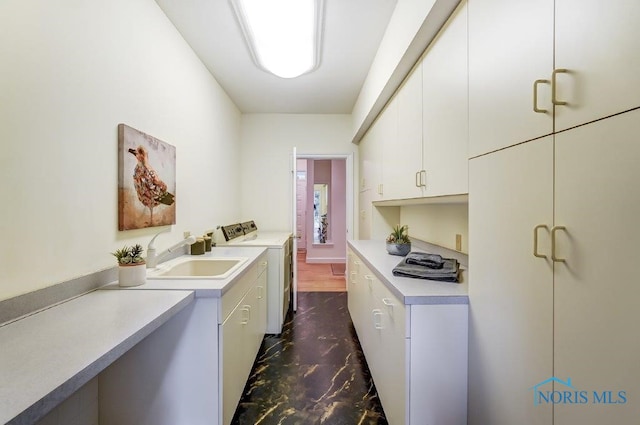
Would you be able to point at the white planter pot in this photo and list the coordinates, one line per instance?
(132, 275)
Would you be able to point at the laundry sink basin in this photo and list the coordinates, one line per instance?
(197, 268)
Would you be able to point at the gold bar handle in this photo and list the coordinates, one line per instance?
(554, 85)
(535, 96)
(417, 183)
(423, 183)
(553, 244)
(535, 240)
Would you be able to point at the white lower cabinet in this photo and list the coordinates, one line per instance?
(240, 338)
(417, 354)
(192, 370)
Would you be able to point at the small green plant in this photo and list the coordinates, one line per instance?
(399, 235)
(129, 255)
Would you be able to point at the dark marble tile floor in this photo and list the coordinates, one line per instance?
(313, 373)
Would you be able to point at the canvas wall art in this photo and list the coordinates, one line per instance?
(146, 180)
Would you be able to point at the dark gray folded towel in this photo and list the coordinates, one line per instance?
(448, 272)
(432, 261)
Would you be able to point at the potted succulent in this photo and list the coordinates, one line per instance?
(132, 270)
(398, 242)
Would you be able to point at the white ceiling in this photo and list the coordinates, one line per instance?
(353, 30)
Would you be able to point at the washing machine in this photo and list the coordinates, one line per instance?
(279, 270)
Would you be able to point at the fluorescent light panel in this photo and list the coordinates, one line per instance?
(284, 36)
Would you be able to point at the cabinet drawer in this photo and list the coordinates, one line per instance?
(233, 296)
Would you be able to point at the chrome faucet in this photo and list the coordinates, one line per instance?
(153, 258)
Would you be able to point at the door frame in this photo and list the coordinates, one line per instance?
(349, 205)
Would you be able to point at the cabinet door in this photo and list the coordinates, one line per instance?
(599, 43)
(510, 47)
(597, 343)
(235, 335)
(370, 152)
(445, 113)
(389, 316)
(402, 158)
(511, 294)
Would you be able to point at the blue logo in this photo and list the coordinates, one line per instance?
(557, 391)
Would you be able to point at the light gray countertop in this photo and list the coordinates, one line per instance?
(47, 356)
(409, 290)
(214, 288)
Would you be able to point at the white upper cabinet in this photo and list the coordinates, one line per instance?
(445, 110)
(531, 64)
(598, 43)
(510, 48)
(402, 157)
(426, 153)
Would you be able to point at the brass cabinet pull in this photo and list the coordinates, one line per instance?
(417, 182)
(554, 85)
(535, 96)
(535, 240)
(423, 183)
(553, 244)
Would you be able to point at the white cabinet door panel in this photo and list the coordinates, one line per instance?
(510, 46)
(599, 43)
(511, 295)
(597, 343)
(445, 113)
(402, 157)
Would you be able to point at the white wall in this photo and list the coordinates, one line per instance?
(71, 71)
(266, 150)
(438, 223)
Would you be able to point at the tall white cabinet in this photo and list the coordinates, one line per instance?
(553, 202)
(596, 292)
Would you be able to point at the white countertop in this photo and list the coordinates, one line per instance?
(47, 356)
(214, 288)
(409, 290)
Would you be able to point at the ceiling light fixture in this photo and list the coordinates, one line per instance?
(284, 36)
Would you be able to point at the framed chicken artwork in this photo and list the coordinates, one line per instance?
(146, 180)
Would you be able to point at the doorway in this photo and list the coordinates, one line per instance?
(323, 202)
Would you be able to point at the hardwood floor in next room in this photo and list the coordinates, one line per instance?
(317, 277)
(315, 371)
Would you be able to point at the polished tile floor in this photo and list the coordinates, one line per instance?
(313, 373)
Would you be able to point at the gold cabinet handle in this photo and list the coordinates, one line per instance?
(553, 244)
(423, 182)
(554, 85)
(417, 182)
(535, 240)
(535, 96)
